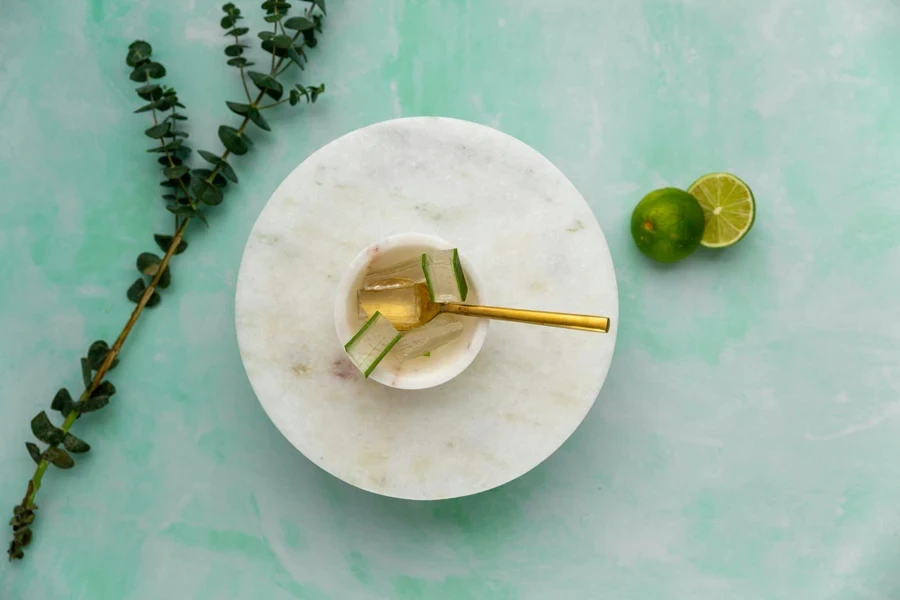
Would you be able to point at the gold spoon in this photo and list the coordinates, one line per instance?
(411, 307)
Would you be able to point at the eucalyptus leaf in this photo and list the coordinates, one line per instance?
(238, 108)
(176, 172)
(235, 142)
(206, 192)
(136, 290)
(86, 372)
(106, 388)
(238, 31)
(138, 51)
(227, 22)
(224, 168)
(59, 458)
(265, 35)
(149, 70)
(283, 41)
(164, 241)
(256, 117)
(217, 181)
(62, 402)
(158, 131)
(97, 353)
(34, 451)
(267, 84)
(296, 56)
(91, 404)
(240, 61)
(168, 147)
(165, 280)
(235, 50)
(176, 117)
(187, 211)
(270, 48)
(274, 18)
(74, 445)
(44, 430)
(298, 24)
(148, 263)
(151, 91)
(309, 38)
(167, 161)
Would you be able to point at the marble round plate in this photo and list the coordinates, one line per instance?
(537, 245)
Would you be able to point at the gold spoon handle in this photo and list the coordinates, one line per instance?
(535, 317)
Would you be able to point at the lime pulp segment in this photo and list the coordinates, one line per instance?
(728, 207)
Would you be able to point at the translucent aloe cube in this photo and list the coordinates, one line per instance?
(444, 276)
(404, 274)
(441, 330)
(372, 343)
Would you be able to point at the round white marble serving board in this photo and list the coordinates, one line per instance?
(536, 244)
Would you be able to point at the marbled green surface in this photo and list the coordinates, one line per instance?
(747, 442)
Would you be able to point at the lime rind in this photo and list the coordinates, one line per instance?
(720, 231)
(372, 343)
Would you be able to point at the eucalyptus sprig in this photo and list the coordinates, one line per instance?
(188, 193)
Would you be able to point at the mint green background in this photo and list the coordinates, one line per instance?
(747, 442)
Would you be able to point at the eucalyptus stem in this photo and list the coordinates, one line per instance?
(35, 483)
(201, 189)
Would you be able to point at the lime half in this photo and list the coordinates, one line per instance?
(372, 343)
(728, 207)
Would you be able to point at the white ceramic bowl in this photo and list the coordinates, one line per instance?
(446, 362)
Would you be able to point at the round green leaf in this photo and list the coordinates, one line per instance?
(136, 290)
(86, 372)
(224, 168)
(164, 241)
(256, 117)
(157, 131)
(151, 91)
(148, 263)
(235, 142)
(165, 279)
(298, 24)
(176, 172)
(138, 51)
(74, 445)
(267, 84)
(34, 451)
(59, 458)
(206, 192)
(62, 402)
(91, 404)
(238, 108)
(106, 388)
(227, 22)
(235, 49)
(240, 61)
(97, 353)
(44, 430)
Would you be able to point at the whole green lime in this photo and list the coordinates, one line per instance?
(667, 225)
